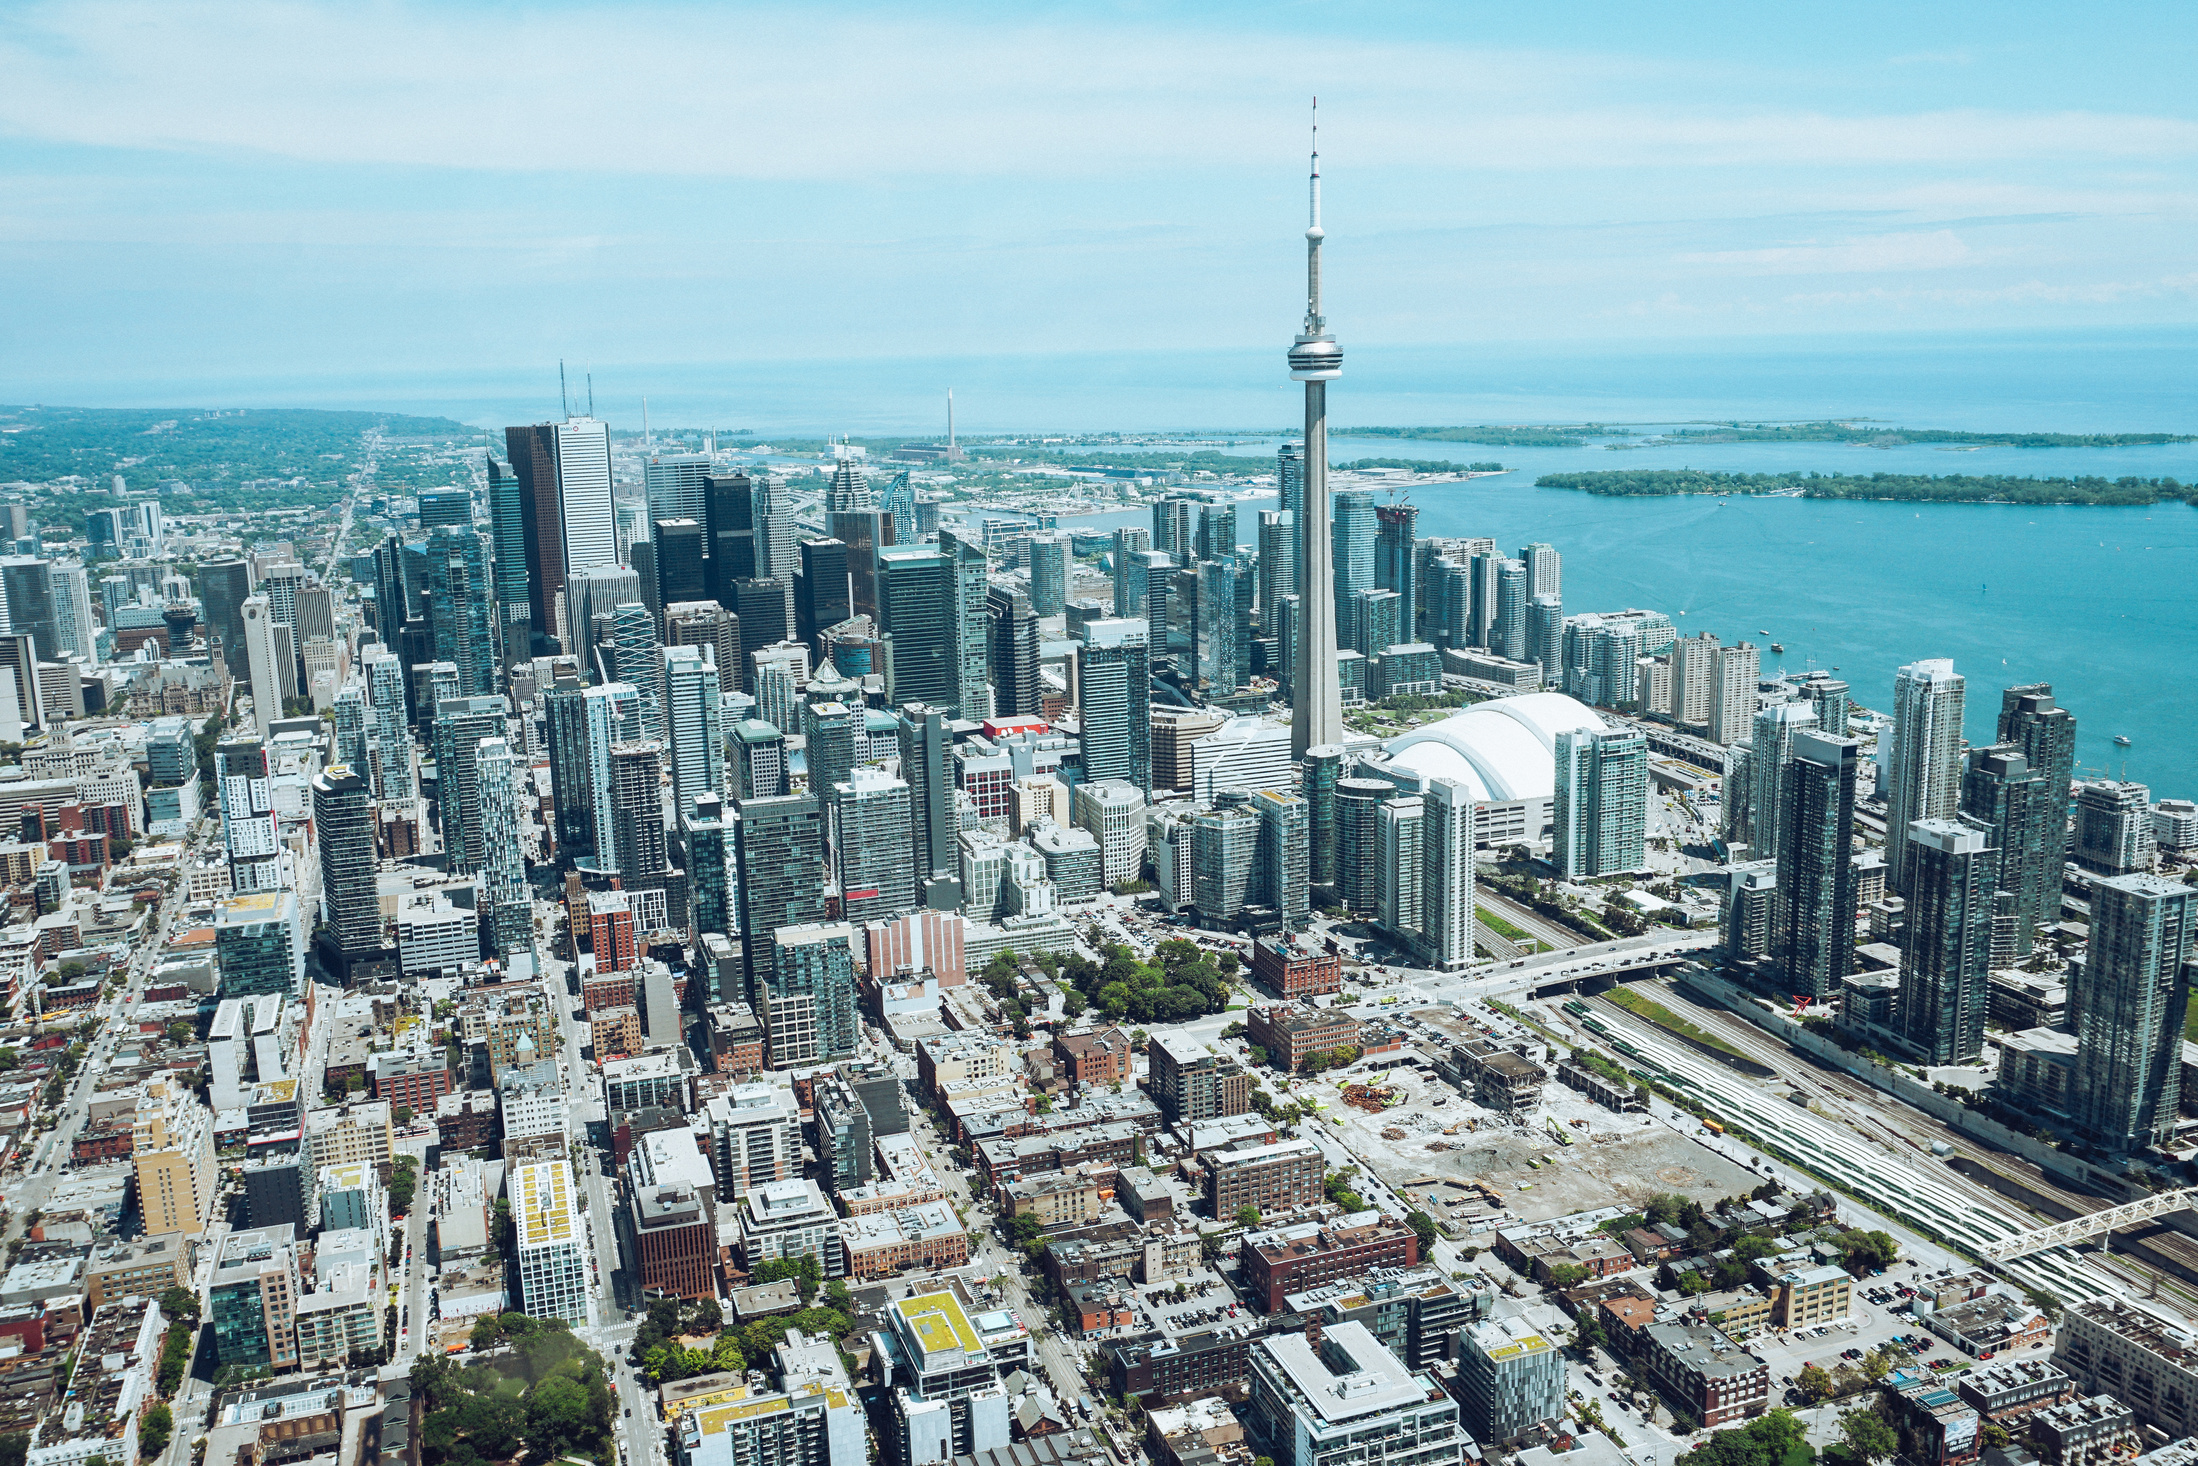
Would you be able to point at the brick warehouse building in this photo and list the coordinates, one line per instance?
(1294, 968)
(1290, 1260)
(1291, 1034)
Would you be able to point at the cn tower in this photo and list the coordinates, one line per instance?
(1315, 360)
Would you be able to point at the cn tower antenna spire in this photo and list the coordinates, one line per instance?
(1314, 321)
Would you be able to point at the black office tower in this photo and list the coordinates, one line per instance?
(680, 572)
(729, 533)
(1013, 652)
(821, 594)
(761, 607)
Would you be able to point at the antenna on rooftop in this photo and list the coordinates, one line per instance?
(591, 394)
(564, 397)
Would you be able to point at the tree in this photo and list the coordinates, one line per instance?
(180, 1032)
(180, 1303)
(1868, 1434)
(1567, 1275)
(557, 1413)
(1591, 1330)
(1867, 1250)
(1423, 1226)
(1814, 1382)
(1247, 1215)
(1875, 1365)
(154, 1429)
(1752, 1248)
(15, 1448)
(401, 1115)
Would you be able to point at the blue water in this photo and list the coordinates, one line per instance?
(2103, 603)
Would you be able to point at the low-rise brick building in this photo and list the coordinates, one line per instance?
(1056, 1198)
(466, 1121)
(1704, 1373)
(1286, 1260)
(1292, 967)
(414, 1080)
(1094, 1056)
(1291, 1034)
(1274, 1178)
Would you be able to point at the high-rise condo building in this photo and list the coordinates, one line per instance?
(1769, 748)
(639, 851)
(1114, 702)
(1396, 566)
(2002, 793)
(1601, 801)
(808, 1004)
(583, 724)
(507, 910)
(1815, 895)
(1352, 540)
(172, 1150)
(1508, 636)
(1946, 945)
(1446, 891)
(1545, 574)
(343, 824)
(1732, 697)
(2046, 734)
(508, 537)
(250, 832)
(1052, 558)
(1130, 545)
(460, 725)
(873, 835)
(782, 876)
(461, 619)
(550, 1240)
(389, 744)
(2113, 827)
(707, 838)
(1545, 636)
(1922, 773)
(2128, 1081)
(1281, 862)
(927, 765)
(262, 660)
(1277, 565)
(693, 717)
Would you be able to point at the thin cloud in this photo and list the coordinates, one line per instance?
(1937, 250)
(792, 95)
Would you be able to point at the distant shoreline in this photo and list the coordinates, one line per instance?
(1887, 487)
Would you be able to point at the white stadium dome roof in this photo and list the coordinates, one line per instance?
(1500, 750)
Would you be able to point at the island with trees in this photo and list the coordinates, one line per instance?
(1903, 487)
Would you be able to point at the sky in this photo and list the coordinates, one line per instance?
(241, 190)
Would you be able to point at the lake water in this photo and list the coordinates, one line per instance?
(2102, 603)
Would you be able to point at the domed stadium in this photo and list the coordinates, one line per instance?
(1504, 750)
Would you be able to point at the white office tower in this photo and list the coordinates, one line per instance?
(675, 485)
(584, 495)
(1545, 574)
(389, 745)
(1921, 756)
(552, 1244)
(259, 651)
(1348, 1398)
(1316, 360)
(73, 627)
(507, 911)
(1772, 748)
(1736, 670)
(693, 717)
(755, 1137)
(1446, 896)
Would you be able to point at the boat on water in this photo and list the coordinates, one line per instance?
(2120, 741)
(1762, 631)
(1778, 647)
